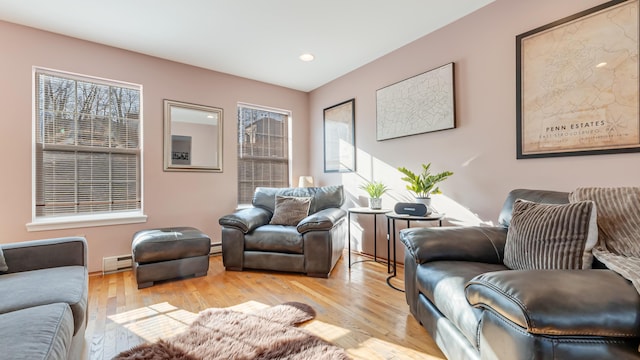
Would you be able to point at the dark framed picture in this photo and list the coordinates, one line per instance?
(577, 84)
(421, 104)
(339, 137)
(180, 150)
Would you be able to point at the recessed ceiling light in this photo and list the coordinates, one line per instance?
(306, 57)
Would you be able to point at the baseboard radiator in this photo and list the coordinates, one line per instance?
(113, 264)
(216, 248)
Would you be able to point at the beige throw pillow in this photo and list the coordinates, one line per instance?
(549, 236)
(290, 210)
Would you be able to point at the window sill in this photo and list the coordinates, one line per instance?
(80, 221)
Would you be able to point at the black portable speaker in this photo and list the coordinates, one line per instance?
(413, 209)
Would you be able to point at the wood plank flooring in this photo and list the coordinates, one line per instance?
(355, 309)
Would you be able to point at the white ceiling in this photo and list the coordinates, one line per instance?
(255, 39)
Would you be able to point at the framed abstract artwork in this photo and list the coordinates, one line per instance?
(420, 104)
(339, 137)
(577, 84)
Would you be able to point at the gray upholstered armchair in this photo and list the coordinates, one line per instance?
(287, 229)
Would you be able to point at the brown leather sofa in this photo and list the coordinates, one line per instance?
(474, 307)
(312, 246)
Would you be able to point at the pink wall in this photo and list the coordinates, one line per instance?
(171, 198)
(481, 151)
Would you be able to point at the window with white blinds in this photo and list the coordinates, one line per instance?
(263, 150)
(87, 146)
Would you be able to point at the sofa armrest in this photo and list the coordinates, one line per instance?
(47, 253)
(322, 220)
(560, 302)
(247, 219)
(473, 243)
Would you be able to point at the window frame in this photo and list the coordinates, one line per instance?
(42, 223)
(289, 133)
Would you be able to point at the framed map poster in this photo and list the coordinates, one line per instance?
(420, 104)
(577, 84)
(339, 137)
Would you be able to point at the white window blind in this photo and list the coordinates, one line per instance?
(263, 150)
(87, 151)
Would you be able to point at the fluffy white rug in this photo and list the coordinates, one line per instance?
(226, 334)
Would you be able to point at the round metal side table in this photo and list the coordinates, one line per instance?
(375, 213)
(391, 234)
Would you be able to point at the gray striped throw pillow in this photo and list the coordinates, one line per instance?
(290, 210)
(549, 236)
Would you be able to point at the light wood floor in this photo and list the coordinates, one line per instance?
(355, 309)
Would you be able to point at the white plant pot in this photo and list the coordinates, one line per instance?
(426, 202)
(375, 203)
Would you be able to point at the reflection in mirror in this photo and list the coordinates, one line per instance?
(192, 137)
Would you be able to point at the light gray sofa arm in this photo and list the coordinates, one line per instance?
(246, 220)
(43, 254)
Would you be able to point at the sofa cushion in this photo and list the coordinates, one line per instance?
(443, 283)
(551, 236)
(35, 333)
(154, 245)
(539, 196)
(560, 302)
(290, 210)
(274, 238)
(67, 284)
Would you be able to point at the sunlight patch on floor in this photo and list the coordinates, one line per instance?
(156, 321)
(164, 320)
(372, 346)
(248, 307)
(362, 346)
(325, 331)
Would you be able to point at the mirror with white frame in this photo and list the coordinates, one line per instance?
(192, 137)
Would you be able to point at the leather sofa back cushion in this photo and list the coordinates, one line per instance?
(290, 210)
(321, 197)
(540, 196)
(550, 236)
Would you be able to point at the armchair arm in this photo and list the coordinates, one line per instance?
(560, 302)
(246, 220)
(322, 220)
(43, 254)
(474, 243)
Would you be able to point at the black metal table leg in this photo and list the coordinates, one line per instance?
(388, 243)
(349, 236)
(375, 237)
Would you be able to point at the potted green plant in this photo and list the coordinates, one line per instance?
(424, 184)
(375, 189)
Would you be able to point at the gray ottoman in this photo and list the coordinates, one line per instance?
(162, 254)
